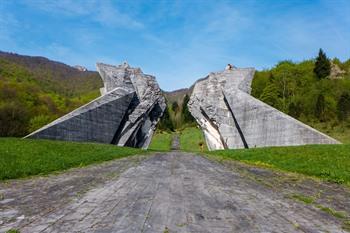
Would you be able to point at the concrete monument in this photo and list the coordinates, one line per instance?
(231, 118)
(125, 114)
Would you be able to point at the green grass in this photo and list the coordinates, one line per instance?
(24, 157)
(302, 198)
(328, 162)
(337, 214)
(161, 141)
(13, 231)
(346, 225)
(190, 139)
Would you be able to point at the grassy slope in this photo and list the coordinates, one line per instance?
(328, 162)
(161, 141)
(190, 138)
(25, 157)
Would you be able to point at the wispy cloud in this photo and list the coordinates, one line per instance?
(108, 15)
(104, 12)
(66, 7)
(178, 41)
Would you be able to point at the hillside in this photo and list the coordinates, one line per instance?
(177, 95)
(55, 76)
(295, 89)
(321, 102)
(36, 90)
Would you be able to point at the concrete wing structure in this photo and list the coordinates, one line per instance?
(231, 118)
(126, 114)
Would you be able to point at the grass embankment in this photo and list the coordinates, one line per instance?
(24, 157)
(190, 138)
(161, 141)
(328, 162)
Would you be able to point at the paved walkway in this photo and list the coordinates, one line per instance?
(169, 192)
(175, 143)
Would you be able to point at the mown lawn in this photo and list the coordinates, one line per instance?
(190, 138)
(161, 141)
(25, 157)
(328, 162)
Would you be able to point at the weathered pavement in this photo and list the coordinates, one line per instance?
(169, 192)
(175, 143)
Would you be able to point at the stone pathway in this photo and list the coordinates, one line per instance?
(168, 192)
(175, 143)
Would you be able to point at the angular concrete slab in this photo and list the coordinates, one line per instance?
(126, 114)
(231, 118)
(143, 115)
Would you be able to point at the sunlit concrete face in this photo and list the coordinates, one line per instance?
(231, 118)
(126, 114)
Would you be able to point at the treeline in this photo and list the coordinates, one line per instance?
(35, 91)
(315, 91)
(31, 95)
(176, 116)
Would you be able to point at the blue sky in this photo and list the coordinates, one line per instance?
(177, 41)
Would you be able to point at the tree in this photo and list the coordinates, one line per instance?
(187, 116)
(322, 66)
(260, 80)
(13, 119)
(294, 109)
(38, 121)
(165, 122)
(343, 107)
(320, 107)
(175, 107)
(270, 95)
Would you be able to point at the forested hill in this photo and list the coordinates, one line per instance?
(36, 90)
(55, 76)
(315, 91)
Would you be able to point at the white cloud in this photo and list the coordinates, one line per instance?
(108, 15)
(66, 7)
(104, 12)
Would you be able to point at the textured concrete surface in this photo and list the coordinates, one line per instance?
(231, 118)
(143, 115)
(126, 114)
(177, 191)
(96, 121)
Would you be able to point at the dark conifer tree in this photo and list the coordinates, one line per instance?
(343, 107)
(320, 107)
(165, 122)
(187, 116)
(175, 107)
(294, 109)
(322, 65)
